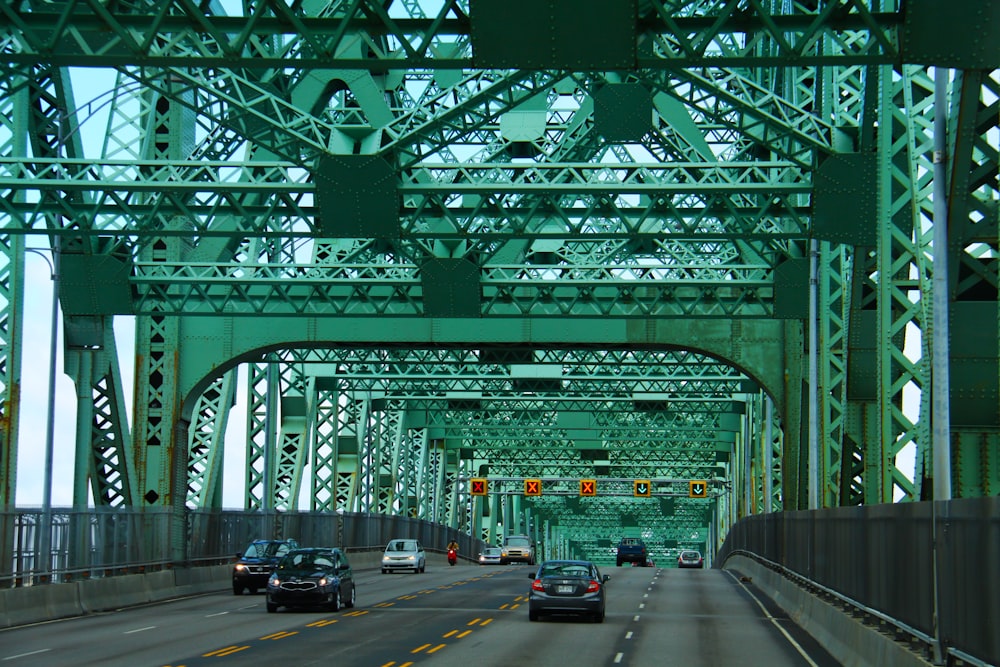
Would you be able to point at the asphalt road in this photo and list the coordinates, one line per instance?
(448, 616)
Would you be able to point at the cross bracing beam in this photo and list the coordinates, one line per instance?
(181, 34)
(127, 198)
(507, 291)
(208, 179)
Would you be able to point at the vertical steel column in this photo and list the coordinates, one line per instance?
(813, 425)
(270, 436)
(768, 454)
(940, 381)
(940, 384)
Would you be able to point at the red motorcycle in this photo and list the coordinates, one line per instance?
(452, 556)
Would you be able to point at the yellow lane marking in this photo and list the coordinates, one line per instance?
(419, 648)
(465, 634)
(222, 652)
(384, 604)
(436, 648)
(322, 623)
(279, 635)
(356, 613)
(473, 621)
(514, 606)
(486, 622)
(449, 634)
(503, 606)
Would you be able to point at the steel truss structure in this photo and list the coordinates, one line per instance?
(427, 240)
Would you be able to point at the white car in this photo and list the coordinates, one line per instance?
(402, 555)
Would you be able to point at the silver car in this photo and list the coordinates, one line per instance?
(490, 556)
(402, 555)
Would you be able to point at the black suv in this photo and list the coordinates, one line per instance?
(631, 550)
(257, 562)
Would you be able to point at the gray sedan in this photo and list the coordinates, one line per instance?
(567, 587)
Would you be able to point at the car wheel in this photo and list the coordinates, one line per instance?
(354, 594)
(618, 563)
(237, 589)
(599, 617)
(271, 607)
(533, 615)
(253, 591)
(334, 603)
(384, 571)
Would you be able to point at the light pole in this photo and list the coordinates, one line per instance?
(45, 546)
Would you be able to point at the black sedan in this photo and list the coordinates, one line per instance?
(317, 577)
(567, 587)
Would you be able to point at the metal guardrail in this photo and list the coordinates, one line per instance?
(926, 569)
(108, 542)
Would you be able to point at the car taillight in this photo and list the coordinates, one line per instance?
(593, 586)
(536, 585)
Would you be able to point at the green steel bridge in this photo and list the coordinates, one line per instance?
(706, 254)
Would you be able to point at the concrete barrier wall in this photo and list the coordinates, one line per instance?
(38, 603)
(848, 640)
(46, 602)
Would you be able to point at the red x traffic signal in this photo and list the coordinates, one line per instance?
(532, 487)
(478, 486)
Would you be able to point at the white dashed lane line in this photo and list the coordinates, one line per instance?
(25, 655)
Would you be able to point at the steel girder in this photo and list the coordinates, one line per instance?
(210, 199)
(317, 34)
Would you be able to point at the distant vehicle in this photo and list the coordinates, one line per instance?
(631, 550)
(314, 577)
(517, 549)
(256, 563)
(690, 558)
(403, 554)
(567, 587)
(490, 556)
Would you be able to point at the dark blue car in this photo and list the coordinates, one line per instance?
(255, 565)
